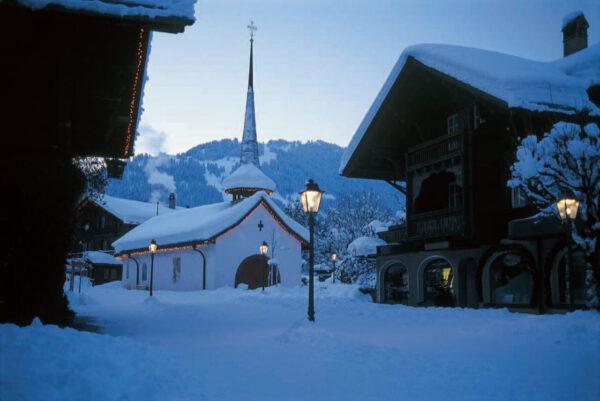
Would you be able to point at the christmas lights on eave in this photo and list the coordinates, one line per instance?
(133, 110)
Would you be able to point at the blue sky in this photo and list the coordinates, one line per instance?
(319, 64)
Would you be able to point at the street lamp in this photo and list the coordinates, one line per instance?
(152, 247)
(264, 249)
(311, 201)
(333, 259)
(567, 209)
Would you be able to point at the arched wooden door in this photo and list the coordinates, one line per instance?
(254, 272)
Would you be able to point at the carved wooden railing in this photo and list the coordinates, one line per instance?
(434, 151)
(437, 224)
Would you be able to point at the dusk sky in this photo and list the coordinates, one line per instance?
(319, 64)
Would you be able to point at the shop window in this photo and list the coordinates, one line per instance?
(512, 280)
(438, 280)
(395, 281)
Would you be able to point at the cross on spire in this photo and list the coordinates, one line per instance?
(251, 27)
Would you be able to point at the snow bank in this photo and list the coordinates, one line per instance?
(49, 363)
(142, 8)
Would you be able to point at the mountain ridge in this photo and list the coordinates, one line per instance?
(196, 174)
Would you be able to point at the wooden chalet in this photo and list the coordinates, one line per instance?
(444, 131)
(72, 77)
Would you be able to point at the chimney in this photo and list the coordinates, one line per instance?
(574, 31)
(172, 200)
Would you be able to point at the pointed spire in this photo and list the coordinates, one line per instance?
(249, 152)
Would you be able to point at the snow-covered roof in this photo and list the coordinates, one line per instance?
(100, 258)
(556, 86)
(122, 8)
(248, 176)
(131, 211)
(365, 246)
(201, 224)
(570, 17)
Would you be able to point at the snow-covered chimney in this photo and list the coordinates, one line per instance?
(574, 29)
(172, 203)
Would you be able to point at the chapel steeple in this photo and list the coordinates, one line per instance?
(248, 178)
(249, 142)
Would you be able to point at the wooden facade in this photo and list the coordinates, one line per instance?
(96, 228)
(453, 146)
(72, 84)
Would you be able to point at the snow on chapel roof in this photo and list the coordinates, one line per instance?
(131, 211)
(122, 8)
(248, 176)
(201, 224)
(556, 86)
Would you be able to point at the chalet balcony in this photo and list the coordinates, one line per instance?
(439, 224)
(434, 151)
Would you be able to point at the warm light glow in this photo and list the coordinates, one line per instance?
(137, 79)
(567, 207)
(446, 273)
(334, 256)
(264, 248)
(311, 197)
(153, 246)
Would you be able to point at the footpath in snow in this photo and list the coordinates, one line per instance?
(248, 345)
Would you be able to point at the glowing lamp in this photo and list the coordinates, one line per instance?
(153, 246)
(311, 197)
(264, 248)
(333, 256)
(567, 208)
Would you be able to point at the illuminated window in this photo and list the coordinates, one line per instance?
(438, 281)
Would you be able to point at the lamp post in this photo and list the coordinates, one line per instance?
(311, 201)
(333, 259)
(152, 248)
(264, 249)
(567, 209)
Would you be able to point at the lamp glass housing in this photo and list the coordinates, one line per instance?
(334, 256)
(567, 207)
(264, 248)
(153, 246)
(311, 197)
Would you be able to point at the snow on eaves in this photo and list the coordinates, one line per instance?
(557, 86)
(100, 258)
(570, 17)
(365, 246)
(248, 176)
(132, 211)
(199, 224)
(122, 8)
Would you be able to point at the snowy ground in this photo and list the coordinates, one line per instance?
(247, 345)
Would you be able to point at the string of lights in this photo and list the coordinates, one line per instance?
(134, 91)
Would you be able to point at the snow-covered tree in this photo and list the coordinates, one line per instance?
(566, 160)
